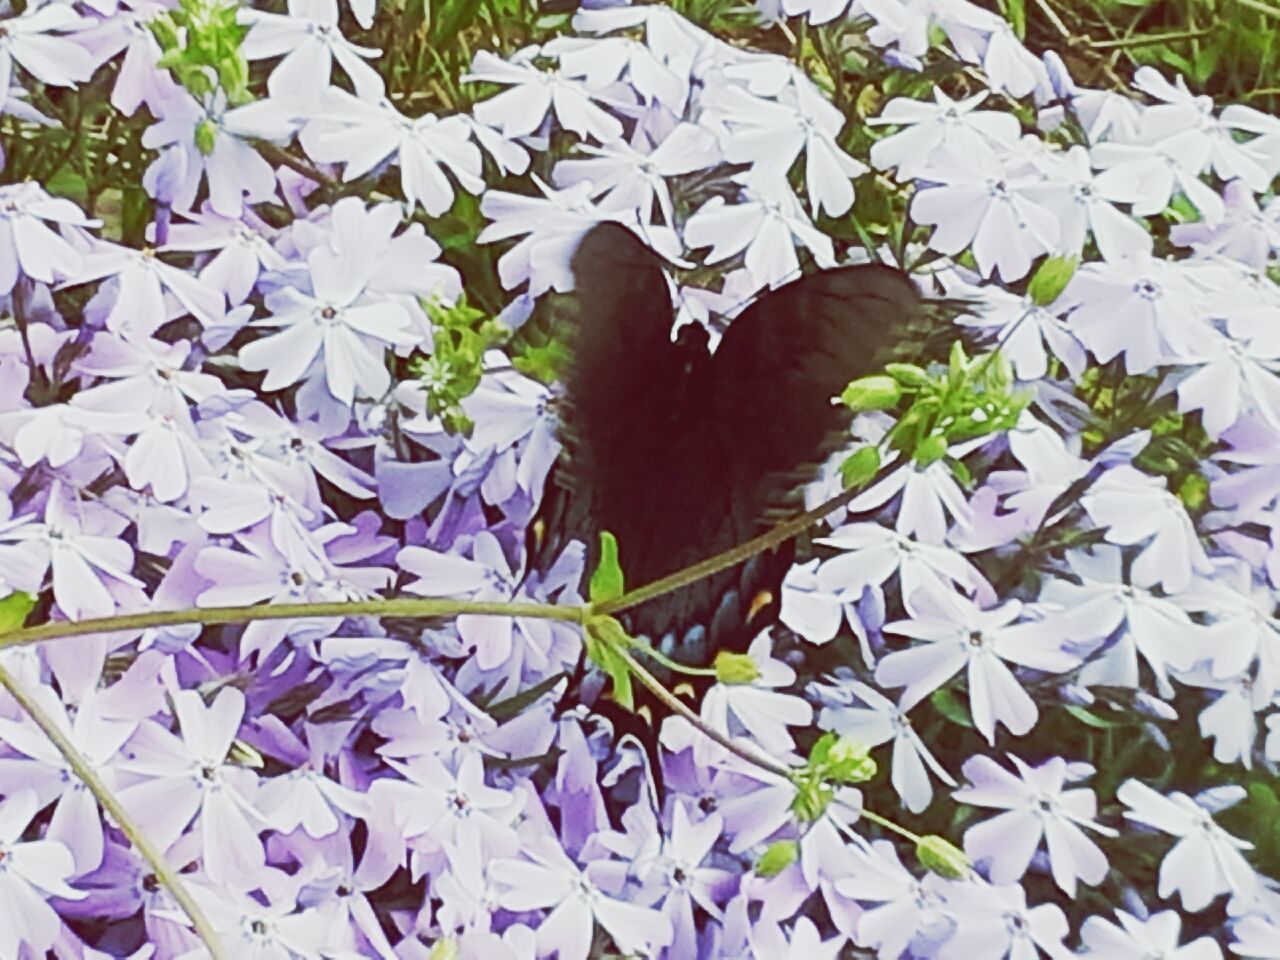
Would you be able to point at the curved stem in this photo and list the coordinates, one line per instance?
(80, 766)
(681, 709)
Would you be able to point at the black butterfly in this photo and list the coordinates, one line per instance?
(682, 453)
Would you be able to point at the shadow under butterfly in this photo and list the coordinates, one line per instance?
(682, 453)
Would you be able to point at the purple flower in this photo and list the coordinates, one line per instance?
(173, 781)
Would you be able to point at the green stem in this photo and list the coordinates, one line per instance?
(288, 611)
(672, 665)
(681, 709)
(900, 830)
(1263, 8)
(80, 766)
(1147, 39)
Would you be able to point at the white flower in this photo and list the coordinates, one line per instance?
(363, 135)
(1206, 861)
(954, 126)
(758, 709)
(770, 135)
(1039, 809)
(310, 41)
(1156, 936)
(1234, 378)
(987, 203)
(341, 324)
(28, 245)
(519, 110)
(767, 226)
(961, 636)
(1069, 190)
(630, 181)
(1135, 508)
(600, 62)
(880, 721)
(33, 40)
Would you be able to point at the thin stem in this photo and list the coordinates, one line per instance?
(729, 558)
(1263, 8)
(287, 611)
(887, 824)
(678, 707)
(80, 766)
(1147, 39)
(1054, 19)
(279, 155)
(674, 666)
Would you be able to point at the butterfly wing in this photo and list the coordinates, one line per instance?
(781, 363)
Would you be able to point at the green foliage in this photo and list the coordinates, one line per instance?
(201, 43)
(860, 467)
(460, 336)
(605, 639)
(968, 399)
(1121, 403)
(834, 761)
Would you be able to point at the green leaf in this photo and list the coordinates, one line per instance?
(942, 857)
(14, 610)
(1051, 279)
(67, 183)
(777, 857)
(949, 705)
(606, 581)
(604, 639)
(1090, 719)
(842, 759)
(860, 467)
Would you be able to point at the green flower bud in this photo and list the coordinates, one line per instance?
(735, 668)
(942, 857)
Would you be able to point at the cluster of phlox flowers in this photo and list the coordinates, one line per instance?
(222, 417)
